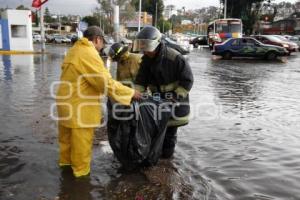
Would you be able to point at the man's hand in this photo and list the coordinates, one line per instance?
(137, 95)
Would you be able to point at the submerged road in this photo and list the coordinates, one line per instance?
(242, 142)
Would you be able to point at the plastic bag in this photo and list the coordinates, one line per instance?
(136, 133)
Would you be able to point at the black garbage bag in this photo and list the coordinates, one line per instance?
(136, 133)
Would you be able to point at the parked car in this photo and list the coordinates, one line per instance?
(36, 38)
(296, 39)
(49, 38)
(293, 46)
(248, 47)
(127, 42)
(109, 40)
(184, 50)
(61, 39)
(278, 41)
(73, 37)
(199, 40)
(272, 40)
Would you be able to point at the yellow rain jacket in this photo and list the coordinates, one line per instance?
(128, 66)
(84, 80)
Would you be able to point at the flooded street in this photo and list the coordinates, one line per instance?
(242, 143)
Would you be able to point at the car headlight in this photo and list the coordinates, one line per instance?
(286, 46)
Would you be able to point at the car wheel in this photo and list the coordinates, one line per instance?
(196, 45)
(271, 55)
(227, 55)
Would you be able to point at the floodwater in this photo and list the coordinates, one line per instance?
(243, 141)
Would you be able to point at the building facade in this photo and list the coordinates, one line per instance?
(16, 30)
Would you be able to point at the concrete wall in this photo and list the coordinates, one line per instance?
(20, 29)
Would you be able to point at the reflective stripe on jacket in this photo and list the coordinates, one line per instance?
(168, 73)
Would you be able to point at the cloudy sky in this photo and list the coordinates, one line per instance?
(84, 7)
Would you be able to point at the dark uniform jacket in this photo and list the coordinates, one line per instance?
(169, 76)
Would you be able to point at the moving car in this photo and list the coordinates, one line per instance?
(275, 40)
(199, 40)
(247, 47)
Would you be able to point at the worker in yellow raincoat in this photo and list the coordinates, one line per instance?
(128, 63)
(84, 81)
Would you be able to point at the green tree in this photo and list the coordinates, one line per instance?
(91, 20)
(47, 16)
(150, 7)
(22, 7)
(128, 13)
(164, 25)
(65, 20)
(207, 14)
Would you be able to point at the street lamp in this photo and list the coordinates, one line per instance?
(225, 9)
(156, 11)
(116, 19)
(140, 15)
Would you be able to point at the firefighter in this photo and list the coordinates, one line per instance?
(167, 74)
(128, 63)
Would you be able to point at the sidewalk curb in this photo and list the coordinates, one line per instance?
(3, 52)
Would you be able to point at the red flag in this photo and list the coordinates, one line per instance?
(38, 3)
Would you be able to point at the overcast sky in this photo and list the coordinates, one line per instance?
(85, 7)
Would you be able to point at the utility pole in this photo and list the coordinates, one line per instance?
(140, 15)
(172, 20)
(116, 18)
(156, 13)
(43, 46)
(100, 22)
(59, 21)
(225, 9)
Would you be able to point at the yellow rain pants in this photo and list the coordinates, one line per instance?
(76, 149)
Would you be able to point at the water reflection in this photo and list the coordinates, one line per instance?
(74, 189)
(234, 84)
(7, 67)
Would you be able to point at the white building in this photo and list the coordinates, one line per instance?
(169, 11)
(16, 30)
